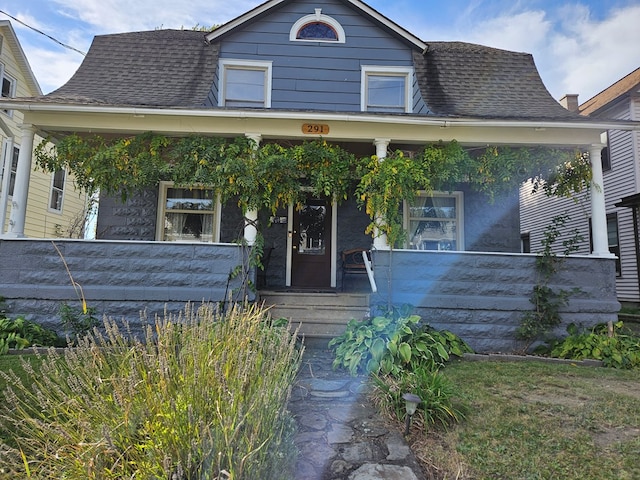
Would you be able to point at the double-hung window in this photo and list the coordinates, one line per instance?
(386, 89)
(57, 190)
(245, 83)
(187, 214)
(435, 221)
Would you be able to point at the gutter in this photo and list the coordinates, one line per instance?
(444, 122)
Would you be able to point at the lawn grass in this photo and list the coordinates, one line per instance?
(536, 420)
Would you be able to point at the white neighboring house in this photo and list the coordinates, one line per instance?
(621, 173)
(54, 208)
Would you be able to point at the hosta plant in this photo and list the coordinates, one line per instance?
(389, 345)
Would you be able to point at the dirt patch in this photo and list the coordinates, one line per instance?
(631, 389)
(556, 399)
(611, 436)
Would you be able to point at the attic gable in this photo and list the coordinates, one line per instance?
(361, 7)
(10, 42)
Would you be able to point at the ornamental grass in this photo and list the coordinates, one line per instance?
(202, 396)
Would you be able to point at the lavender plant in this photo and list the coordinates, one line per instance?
(202, 396)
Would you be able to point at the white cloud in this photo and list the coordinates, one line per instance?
(592, 55)
(53, 69)
(126, 15)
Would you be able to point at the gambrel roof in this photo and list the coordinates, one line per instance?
(175, 68)
(169, 68)
(467, 80)
(178, 68)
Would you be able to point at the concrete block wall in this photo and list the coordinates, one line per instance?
(482, 296)
(120, 279)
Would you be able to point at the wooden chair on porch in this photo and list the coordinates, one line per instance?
(353, 262)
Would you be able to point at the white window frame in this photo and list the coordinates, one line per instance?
(317, 17)
(162, 202)
(59, 191)
(255, 65)
(386, 71)
(12, 88)
(459, 219)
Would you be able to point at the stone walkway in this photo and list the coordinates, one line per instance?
(340, 435)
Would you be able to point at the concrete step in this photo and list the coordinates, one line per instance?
(317, 315)
(315, 298)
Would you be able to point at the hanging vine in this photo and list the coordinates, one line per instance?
(271, 175)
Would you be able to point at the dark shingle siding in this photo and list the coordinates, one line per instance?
(467, 80)
(168, 68)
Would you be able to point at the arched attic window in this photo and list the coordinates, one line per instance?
(317, 28)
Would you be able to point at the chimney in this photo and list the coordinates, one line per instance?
(570, 102)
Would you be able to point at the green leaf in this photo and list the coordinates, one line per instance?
(442, 352)
(405, 352)
(378, 349)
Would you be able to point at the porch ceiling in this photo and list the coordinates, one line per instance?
(342, 127)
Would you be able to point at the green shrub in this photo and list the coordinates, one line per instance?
(20, 333)
(78, 321)
(202, 397)
(619, 350)
(435, 390)
(389, 345)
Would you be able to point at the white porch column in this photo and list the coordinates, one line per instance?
(380, 239)
(598, 207)
(251, 216)
(21, 186)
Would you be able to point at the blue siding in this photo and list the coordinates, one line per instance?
(314, 75)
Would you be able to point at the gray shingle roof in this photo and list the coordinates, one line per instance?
(467, 80)
(167, 68)
(176, 68)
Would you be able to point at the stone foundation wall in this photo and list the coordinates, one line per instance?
(120, 279)
(482, 296)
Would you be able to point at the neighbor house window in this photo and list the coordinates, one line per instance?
(317, 28)
(525, 242)
(605, 159)
(386, 89)
(8, 87)
(612, 239)
(15, 153)
(245, 83)
(434, 222)
(187, 214)
(57, 190)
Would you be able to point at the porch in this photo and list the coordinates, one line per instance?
(479, 296)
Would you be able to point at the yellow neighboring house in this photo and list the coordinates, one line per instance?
(54, 207)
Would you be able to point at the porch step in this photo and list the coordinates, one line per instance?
(319, 315)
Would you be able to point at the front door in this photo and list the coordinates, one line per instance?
(311, 244)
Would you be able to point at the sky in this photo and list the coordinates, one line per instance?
(580, 47)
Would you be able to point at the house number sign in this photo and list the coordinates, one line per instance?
(315, 128)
